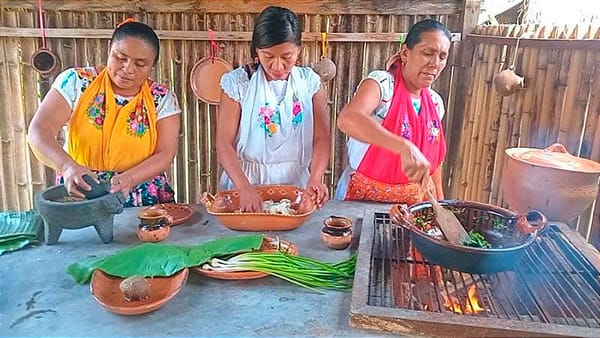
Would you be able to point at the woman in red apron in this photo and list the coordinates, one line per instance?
(394, 123)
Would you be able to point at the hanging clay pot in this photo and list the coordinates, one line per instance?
(325, 68)
(507, 81)
(45, 62)
(206, 76)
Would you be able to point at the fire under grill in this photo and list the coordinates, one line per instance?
(553, 290)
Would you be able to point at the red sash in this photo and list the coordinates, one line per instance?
(424, 130)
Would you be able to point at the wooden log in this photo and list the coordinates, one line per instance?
(572, 118)
(402, 7)
(10, 79)
(88, 33)
(503, 142)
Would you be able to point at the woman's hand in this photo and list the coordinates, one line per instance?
(73, 179)
(123, 182)
(317, 192)
(250, 200)
(414, 164)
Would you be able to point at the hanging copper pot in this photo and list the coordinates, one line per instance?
(551, 180)
(205, 78)
(45, 62)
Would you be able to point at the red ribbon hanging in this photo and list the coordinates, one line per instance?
(42, 28)
(213, 45)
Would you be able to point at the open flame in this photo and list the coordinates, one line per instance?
(472, 302)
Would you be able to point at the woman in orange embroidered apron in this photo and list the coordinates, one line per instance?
(121, 126)
(394, 123)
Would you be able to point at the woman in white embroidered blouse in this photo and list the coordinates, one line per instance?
(273, 123)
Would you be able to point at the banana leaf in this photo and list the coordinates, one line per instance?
(201, 254)
(156, 259)
(18, 229)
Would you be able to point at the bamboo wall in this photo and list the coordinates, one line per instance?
(360, 38)
(560, 103)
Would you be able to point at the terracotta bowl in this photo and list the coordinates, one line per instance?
(337, 232)
(106, 291)
(270, 244)
(225, 203)
(180, 212)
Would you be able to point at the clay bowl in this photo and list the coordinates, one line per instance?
(224, 205)
(155, 225)
(337, 232)
(180, 212)
(550, 180)
(106, 291)
(270, 244)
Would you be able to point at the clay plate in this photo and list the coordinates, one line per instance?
(179, 211)
(269, 245)
(206, 77)
(223, 206)
(105, 289)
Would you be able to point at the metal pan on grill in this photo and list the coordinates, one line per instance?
(508, 233)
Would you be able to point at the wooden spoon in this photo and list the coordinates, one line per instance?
(449, 224)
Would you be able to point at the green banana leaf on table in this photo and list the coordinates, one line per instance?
(158, 259)
(19, 229)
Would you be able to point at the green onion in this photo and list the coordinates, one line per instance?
(302, 271)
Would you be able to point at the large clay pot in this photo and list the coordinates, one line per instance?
(550, 180)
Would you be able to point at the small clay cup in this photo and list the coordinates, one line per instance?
(337, 232)
(155, 225)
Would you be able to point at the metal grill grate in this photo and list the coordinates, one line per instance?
(554, 286)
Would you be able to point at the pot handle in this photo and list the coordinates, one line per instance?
(531, 222)
(207, 199)
(400, 215)
(557, 148)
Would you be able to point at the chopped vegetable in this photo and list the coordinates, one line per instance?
(477, 240)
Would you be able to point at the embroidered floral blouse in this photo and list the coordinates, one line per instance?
(72, 82)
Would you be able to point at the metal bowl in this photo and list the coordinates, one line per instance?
(508, 232)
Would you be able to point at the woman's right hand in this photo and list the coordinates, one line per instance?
(250, 200)
(414, 164)
(73, 178)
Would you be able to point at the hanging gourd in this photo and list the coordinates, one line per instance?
(325, 66)
(507, 81)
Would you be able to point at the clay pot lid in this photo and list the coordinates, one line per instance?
(106, 291)
(555, 156)
(206, 76)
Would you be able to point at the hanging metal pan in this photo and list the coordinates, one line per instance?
(206, 76)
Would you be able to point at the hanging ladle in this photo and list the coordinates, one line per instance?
(43, 60)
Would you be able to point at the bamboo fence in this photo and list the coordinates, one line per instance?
(360, 38)
(560, 103)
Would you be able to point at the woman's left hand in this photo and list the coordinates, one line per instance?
(122, 182)
(318, 192)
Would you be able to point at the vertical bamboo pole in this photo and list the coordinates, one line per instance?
(571, 117)
(473, 96)
(11, 91)
(30, 79)
(558, 132)
(481, 158)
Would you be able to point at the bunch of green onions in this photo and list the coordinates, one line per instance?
(302, 271)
